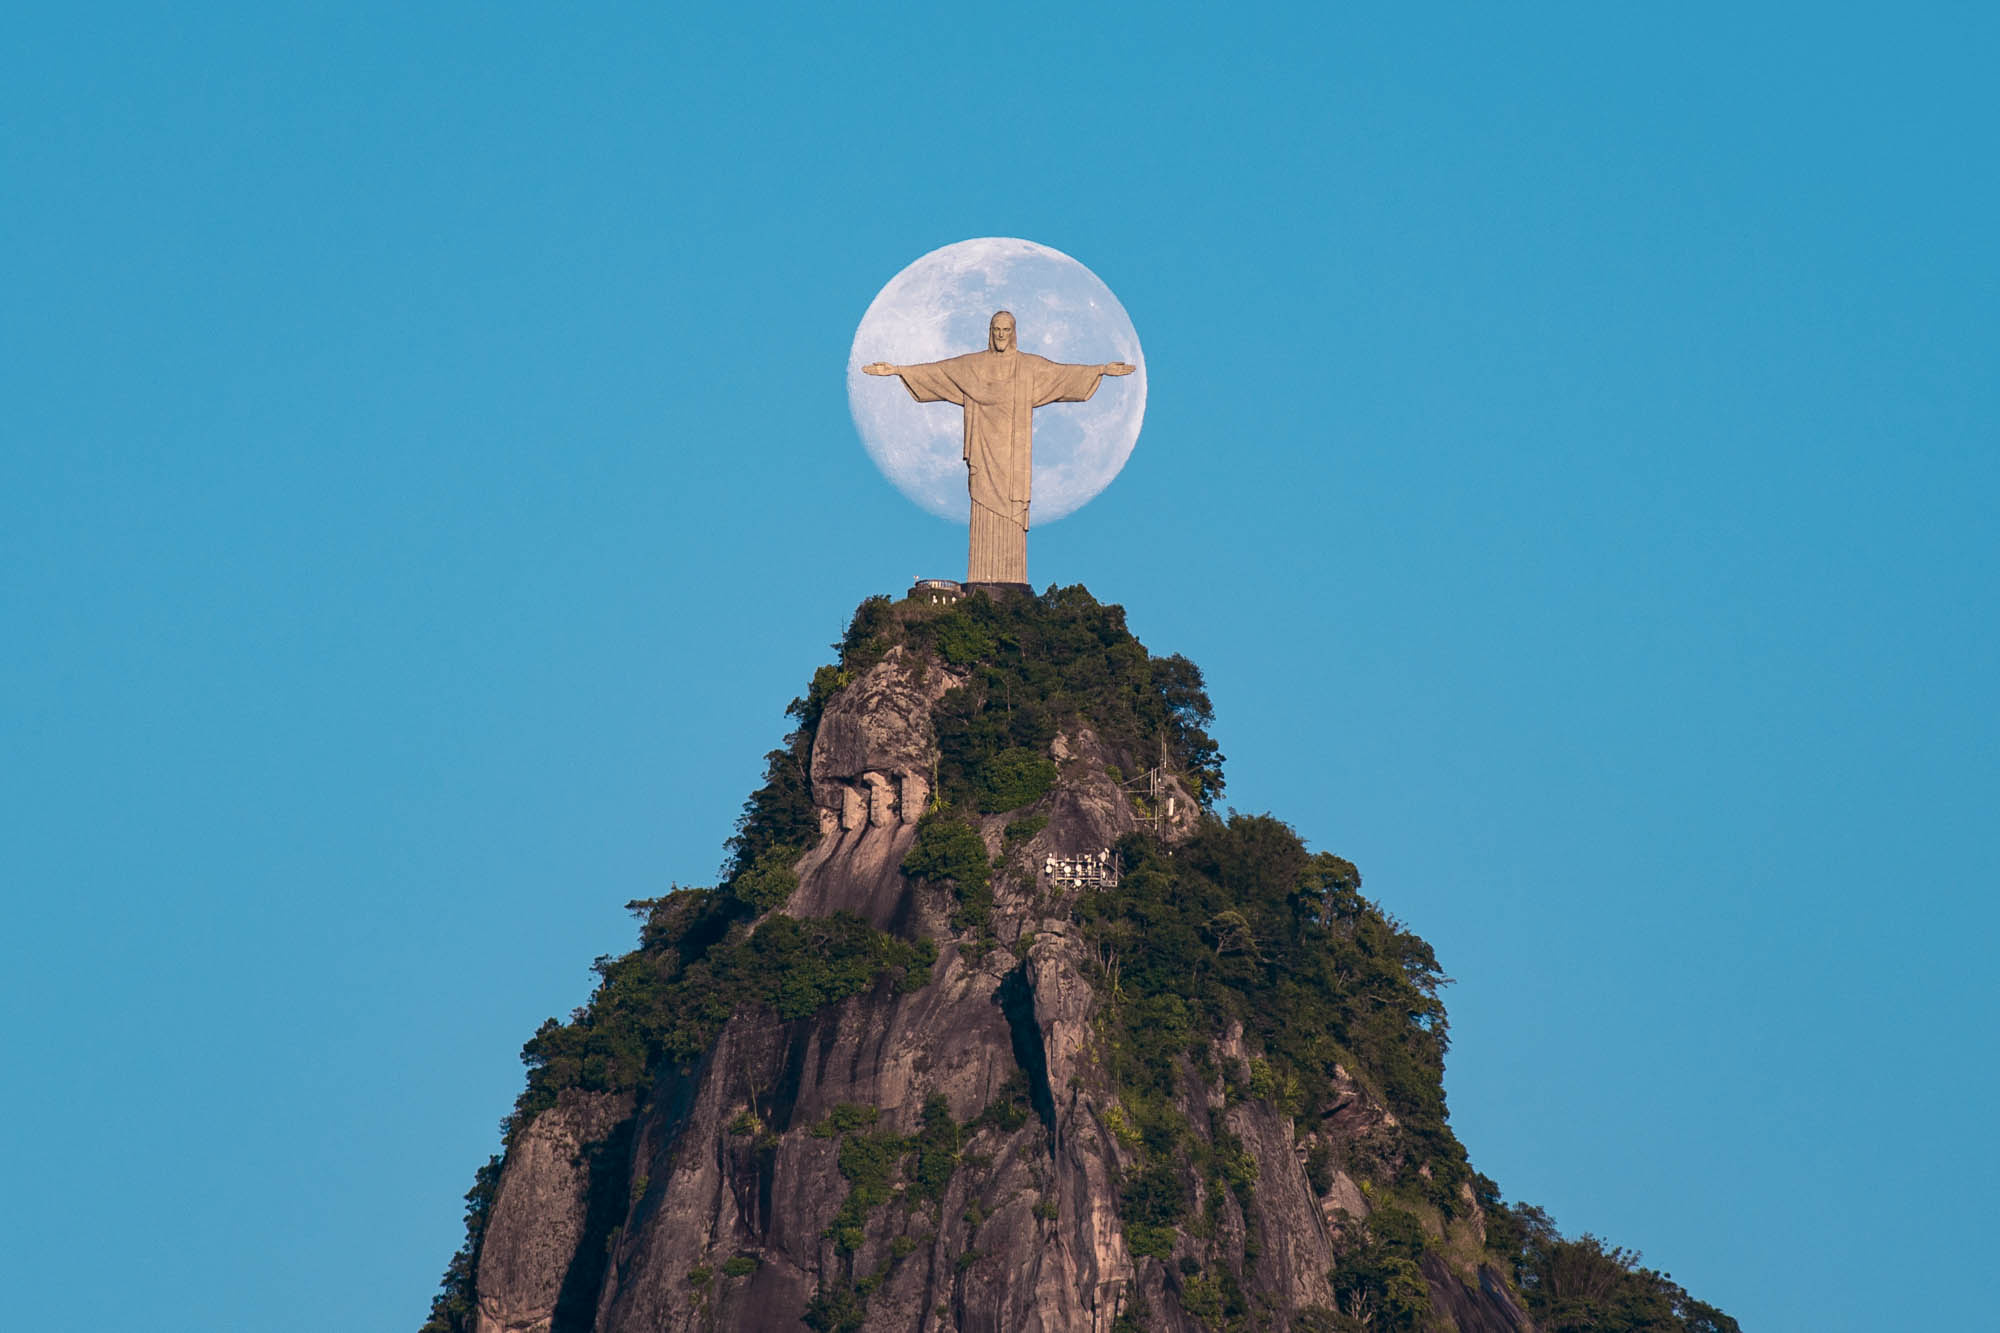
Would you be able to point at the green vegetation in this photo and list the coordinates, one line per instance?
(1020, 830)
(780, 812)
(841, 1308)
(872, 1162)
(1134, 1318)
(1583, 1285)
(1013, 778)
(1218, 1301)
(769, 880)
(453, 1309)
(950, 853)
(1241, 924)
(869, 1163)
(698, 963)
(1034, 664)
(845, 1118)
(1011, 1109)
(1377, 1283)
(936, 1152)
(1152, 1200)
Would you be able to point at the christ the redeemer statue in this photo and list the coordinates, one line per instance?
(999, 388)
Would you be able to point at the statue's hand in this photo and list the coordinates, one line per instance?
(1117, 368)
(878, 368)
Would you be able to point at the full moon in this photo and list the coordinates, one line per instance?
(938, 307)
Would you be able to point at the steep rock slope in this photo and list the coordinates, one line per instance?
(910, 1068)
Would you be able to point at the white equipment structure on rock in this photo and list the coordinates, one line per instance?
(1091, 870)
(1159, 792)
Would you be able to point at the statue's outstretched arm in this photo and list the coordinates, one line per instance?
(1115, 368)
(927, 381)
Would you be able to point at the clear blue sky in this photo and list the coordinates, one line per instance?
(425, 474)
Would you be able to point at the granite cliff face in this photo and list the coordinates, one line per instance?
(714, 1199)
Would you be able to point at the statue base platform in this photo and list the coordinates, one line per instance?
(950, 590)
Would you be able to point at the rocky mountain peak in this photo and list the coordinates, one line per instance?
(995, 1025)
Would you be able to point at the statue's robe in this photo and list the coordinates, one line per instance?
(999, 392)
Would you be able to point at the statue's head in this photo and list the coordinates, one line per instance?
(1000, 333)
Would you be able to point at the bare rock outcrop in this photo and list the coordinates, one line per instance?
(1483, 1305)
(537, 1236)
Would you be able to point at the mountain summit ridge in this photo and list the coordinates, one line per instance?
(894, 1074)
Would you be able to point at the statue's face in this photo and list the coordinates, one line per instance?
(1000, 333)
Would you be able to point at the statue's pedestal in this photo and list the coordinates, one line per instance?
(997, 590)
